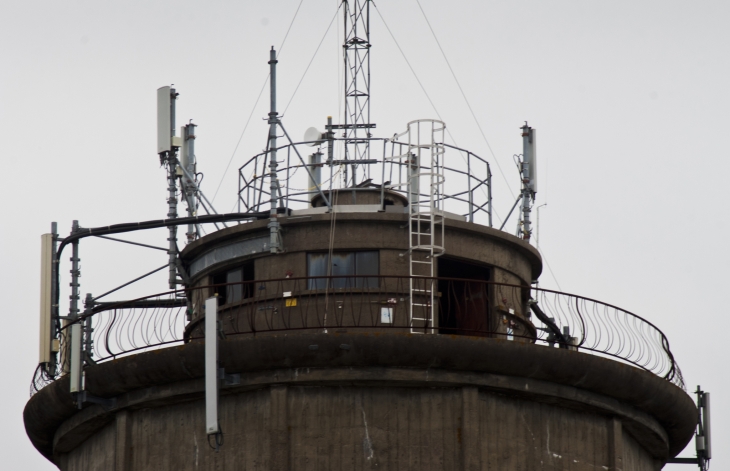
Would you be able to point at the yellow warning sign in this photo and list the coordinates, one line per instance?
(291, 302)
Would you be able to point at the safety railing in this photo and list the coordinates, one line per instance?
(467, 178)
(377, 304)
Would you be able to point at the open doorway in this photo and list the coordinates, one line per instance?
(464, 307)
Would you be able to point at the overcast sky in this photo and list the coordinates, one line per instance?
(630, 99)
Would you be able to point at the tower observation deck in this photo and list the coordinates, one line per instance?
(368, 315)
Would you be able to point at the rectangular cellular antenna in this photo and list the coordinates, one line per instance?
(46, 298)
(533, 160)
(76, 363)
(164, 120)
(211, 366)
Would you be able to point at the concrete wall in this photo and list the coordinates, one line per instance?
(374, 231)
(429, 401)
(350, 428)
(97, 452)
(510, 259)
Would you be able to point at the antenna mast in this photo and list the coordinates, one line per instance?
(356, 50)
(528, 168)
(167, 147)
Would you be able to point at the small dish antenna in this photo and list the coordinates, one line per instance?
(314, 137)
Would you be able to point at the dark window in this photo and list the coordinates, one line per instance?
(351, 269)
(242, 277)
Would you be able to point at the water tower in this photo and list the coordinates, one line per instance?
(359, 311)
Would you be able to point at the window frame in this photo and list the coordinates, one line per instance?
(361, 275)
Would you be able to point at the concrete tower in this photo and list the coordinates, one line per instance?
(369, 317)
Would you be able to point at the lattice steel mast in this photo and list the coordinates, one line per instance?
(356, 49)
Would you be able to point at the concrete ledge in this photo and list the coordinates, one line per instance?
(657, 413)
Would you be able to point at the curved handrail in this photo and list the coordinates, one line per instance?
(481, 308)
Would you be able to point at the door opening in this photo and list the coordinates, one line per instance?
(464, 307)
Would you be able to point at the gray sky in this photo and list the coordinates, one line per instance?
(630, 99)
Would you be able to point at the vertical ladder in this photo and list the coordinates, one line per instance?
(425, 220)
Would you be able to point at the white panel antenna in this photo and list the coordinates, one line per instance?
(164, 121)
(77, 366)
(46, 298)
(211, 366)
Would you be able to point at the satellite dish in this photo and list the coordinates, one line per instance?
(313, 136)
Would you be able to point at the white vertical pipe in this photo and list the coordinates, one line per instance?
(211, 366)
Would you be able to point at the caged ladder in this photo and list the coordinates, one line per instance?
(425, 219)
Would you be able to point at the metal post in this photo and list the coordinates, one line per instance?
(189, 164)
(273, 180)
(468, 184)
(489, 193)
(172, 196)
(330, 155)
(75, 273)
(527, 193)
(74, 351)
(88, 329)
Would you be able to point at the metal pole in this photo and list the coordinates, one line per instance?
(468, 184)
(273, 181)
(527, 193)
(88, 329)
(73, 351)
(190, 166)
(330, 157)
(489, 193)
(172, 197)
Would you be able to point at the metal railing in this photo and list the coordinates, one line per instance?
(379, 304)
(467, 178)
